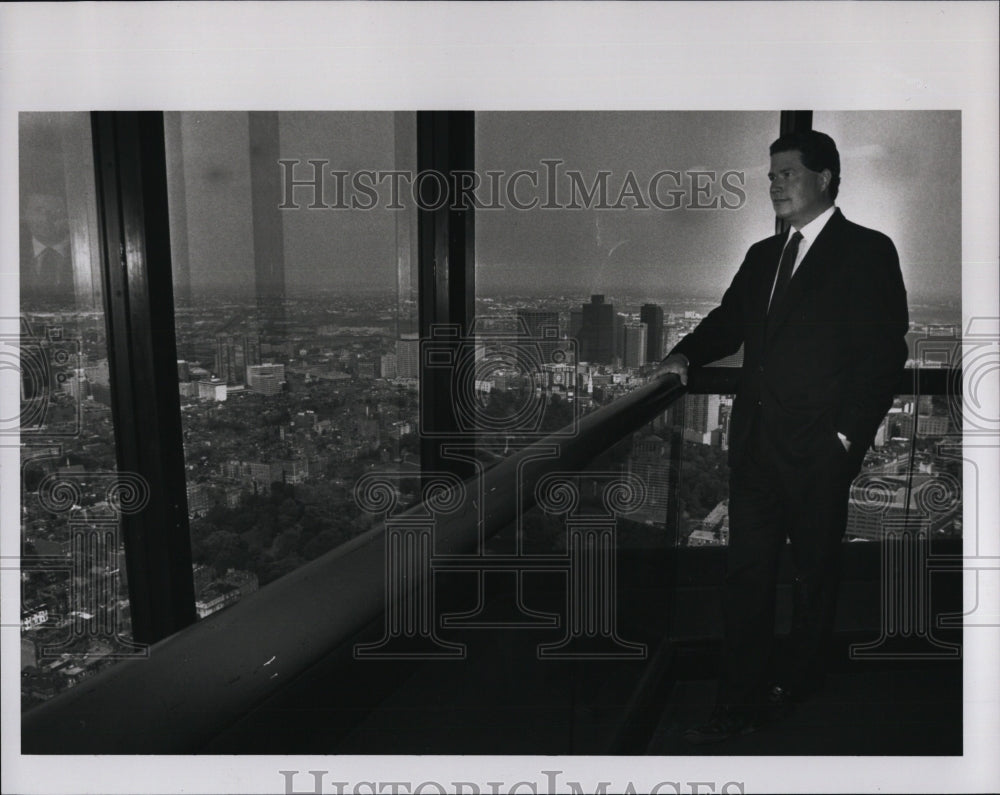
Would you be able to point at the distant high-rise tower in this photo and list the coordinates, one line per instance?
(619, 338)
(650, 463)
(234, 353)
(635, 345)
(652, 316)
(387, 368)
(701, 417)
(408, 356)
(598, 332)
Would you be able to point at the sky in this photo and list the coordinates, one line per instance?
(900, 174)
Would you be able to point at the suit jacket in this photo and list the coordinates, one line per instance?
(828, 358)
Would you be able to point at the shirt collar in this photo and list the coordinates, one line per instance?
(38, 247)
(811, 230)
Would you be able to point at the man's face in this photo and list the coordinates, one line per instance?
(45, 215)
(798, 194)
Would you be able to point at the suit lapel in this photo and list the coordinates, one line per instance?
(762, 295)
(817, 262)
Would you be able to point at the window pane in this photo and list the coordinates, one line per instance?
(912, 480)
(889, 161)
(643, 209)
(294, 319)
(579, 239)
(638, 222)
(75, 612)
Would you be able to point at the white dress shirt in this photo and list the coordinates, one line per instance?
(809, 233)
(38, 248)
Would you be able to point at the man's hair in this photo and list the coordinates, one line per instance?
(818, 152)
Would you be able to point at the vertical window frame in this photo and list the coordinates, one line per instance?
(134, 233)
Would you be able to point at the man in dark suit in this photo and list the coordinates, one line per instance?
(821, 313)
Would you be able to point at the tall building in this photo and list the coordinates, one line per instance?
(266, 379)
(635, 345)
(701, 418)
(725, 412)
(619, 339)
(652, 316)
(648, 462)
(408, 356)
(543, 326)
(234, 353)
(598, 332)
(387, 367)
(897, 517)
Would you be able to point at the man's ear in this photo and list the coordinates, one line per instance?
(827, 176)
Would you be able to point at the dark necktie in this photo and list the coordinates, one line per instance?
(50, 263)
(785, 269)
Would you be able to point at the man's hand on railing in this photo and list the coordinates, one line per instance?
(676, 364)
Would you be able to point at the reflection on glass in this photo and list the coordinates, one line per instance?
(888, 159)
(637, 223)
(622, 231)
(295, 321)
(74, 611)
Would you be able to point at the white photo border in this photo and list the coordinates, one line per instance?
(523, 56)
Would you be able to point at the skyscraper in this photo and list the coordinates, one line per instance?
(234, 353)
(387, 367)
(635, 344)
(701, 418)
(408, 356)
(652, 316)
(619, 339)
(649, 462)
(598, 340)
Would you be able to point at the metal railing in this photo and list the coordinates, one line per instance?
(199, 680)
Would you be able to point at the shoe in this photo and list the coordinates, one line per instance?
(780, 700)
(724, 724)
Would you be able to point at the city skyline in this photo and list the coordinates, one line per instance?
(278, 426)
(295, 377)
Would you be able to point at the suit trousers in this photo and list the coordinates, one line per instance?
(773, 501)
